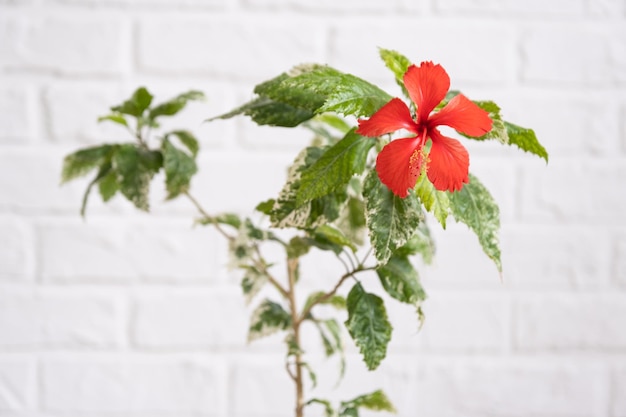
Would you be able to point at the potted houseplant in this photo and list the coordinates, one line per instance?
(360, 192)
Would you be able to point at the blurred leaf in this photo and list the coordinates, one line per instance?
(368, 325)
(474, 206)
(421, 243)
(375, 401)
(115, 118)
(136, 105)
(336, 166)
(135, 168)
(391, 220)
(83, 161)
(328, 408)
(252, 282)
(352, 220)
(176, 104)
(187, 139)
(268, 318)
(179, 169)
(108, 186)
(328, 237)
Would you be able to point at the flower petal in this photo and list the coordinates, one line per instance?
(427, 86)
(399, 165)
(393, 116)
(463, 115)
(448, 166)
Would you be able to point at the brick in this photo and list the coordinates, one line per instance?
(169, 4)
(171, 46)
(114, 386)
(89, 45)
(29, 182)
(16, 250)
(577, 124)
(547, 194)
(555, 257)
(614, 9)
(16, 119)
(457, 322)
(619, 393)
(240, 179)
(326, 6)
(512, 8)
(17, 385)
(179, 320)
(72, 111)
(571, 321)
(486, 46)
(259, 387)
(112, 251)
(588, 55)
(619, 261)
(459, 261)
(57, 320)
(462, 389)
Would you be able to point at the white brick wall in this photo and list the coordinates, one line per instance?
(136, 315)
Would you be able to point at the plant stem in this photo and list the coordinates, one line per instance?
(292, 270)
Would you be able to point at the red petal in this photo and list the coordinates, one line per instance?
(393, 116)
(427, 85)
(463, 115)
(448, 165)
(399, 164)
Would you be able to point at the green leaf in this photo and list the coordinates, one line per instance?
(352, 220)
(368, 325)
(135, 168)
(474, 206)
(434, 201)
(115, 118)
(375, 401)
(421, 243)
(104, 170)
(265, 111)
(176, 104)
(525, 139)
(266, 207)
(179, 169)
(252, 282)
(298, 247)
(498, 130)
(312, 374)
(342, 93)
(82, 162)
(391, 220)
(400, 280)
(268, 318)
(108, 186)
(187, 139)
(329, 411)
(318, 297)
(136, 105)
(335, 167)
(398, 64)
(287, 213)
(328, 237)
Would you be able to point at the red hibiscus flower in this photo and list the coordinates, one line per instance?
(401, 162)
